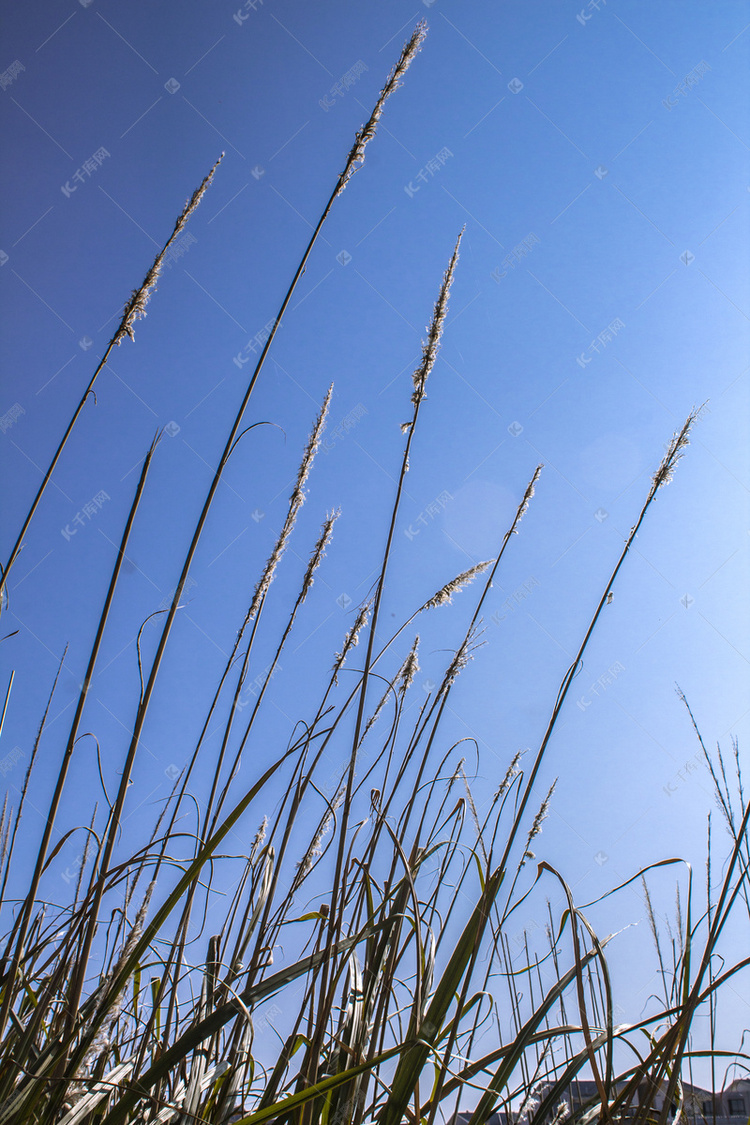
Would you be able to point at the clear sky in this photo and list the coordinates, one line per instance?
(597, 154)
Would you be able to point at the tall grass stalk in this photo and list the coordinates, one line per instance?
(135, 309)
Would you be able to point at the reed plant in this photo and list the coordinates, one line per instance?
(152, 994)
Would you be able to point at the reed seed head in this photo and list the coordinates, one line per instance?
(306, 863)
(539, 819)
(351, 639)
(675, 451)
(196, 197)
(135, 308)
(356, 157)
(319, 550)
(296, 500)
(258, 839)
(474, 813)
(445, 595)
(409, 668)
(650, 913)
(523, 506)
(459, 662)
(376, 713)
(298, 495)
(511, 772)
(401, 681)
(431, 345)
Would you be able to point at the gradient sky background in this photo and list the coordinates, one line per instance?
(612, 137)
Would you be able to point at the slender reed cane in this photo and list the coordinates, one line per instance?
(134, 310)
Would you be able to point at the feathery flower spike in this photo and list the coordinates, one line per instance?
(527, 497)
(356, 157)
(296, 500)
(435, 329)
(675, 451)
(409, 668)
(319, 550)
(351, 639)
(136, 306)
(445, 595)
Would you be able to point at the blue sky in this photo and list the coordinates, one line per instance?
(598, 158)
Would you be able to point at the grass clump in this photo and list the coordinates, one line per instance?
(142, 1000)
